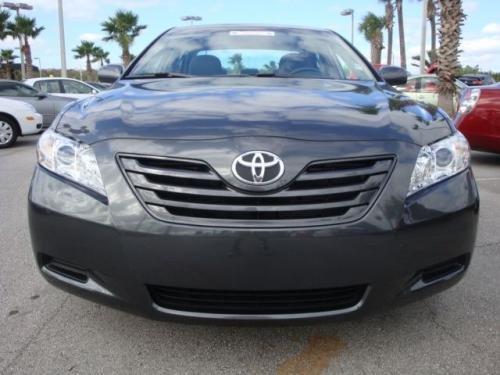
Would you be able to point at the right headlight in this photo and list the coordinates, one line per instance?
(70, 159)
(440, 160)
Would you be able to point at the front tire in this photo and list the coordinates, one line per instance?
(8, 132)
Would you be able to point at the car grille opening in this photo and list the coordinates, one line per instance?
(64, 269)
(442, 270)
(256, 302)
(190, 191)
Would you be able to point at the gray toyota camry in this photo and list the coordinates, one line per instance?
(247, 172)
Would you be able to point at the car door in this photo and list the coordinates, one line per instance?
(78, 90)
(27, 94)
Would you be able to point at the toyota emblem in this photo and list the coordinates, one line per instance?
(258, 168)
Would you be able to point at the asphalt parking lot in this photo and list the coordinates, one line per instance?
(46, 331)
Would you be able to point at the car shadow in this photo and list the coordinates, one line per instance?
(485, 158)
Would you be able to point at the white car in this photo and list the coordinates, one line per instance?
(424, 88)
(17, 119)
(65, 87)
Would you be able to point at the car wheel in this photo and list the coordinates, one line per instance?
(8, 132)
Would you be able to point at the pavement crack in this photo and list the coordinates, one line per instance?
(450, 333)
(33, 337)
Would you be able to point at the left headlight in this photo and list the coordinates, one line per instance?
(440, 160)
(70, 159)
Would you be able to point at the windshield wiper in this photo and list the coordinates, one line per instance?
(158, 75)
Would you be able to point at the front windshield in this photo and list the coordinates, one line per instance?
(251, 52)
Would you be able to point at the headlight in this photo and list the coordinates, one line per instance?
(439, 160)
(72, 160)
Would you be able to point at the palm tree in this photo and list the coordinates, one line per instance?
(7, 57)
(270, 67)
(123, 28)
(4, 17)
(371, 27)
(85, 50)
(401, 28)
(237, 62)
(389, 25)
(431, 16)
(100, 56)
(25, 28)
(451, 21)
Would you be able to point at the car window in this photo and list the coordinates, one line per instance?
(429, 84)
(73, 87)
(50, 86)
(287, 53)
(410, 86)
(16, 89)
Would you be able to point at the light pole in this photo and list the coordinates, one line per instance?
(423, 36)
(39, 65)
(191, 19)
(350, 12)
(17, 7)
(61, 38)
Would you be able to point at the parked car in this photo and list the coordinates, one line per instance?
(477, 79)
(65, 87)
(193, 190)
(45, 104)
(478, 117)
(17, 119)
(424, 88)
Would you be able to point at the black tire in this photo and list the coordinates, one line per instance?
(8, 132)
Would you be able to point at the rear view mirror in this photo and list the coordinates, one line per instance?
(393, 75)
(110, 73)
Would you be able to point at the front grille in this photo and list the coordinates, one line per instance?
(190, 191)
(256, 302)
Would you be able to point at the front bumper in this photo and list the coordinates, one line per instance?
(121, 255)
(33, 126)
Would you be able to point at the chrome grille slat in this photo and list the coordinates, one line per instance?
(151, 197)
(134, 166)
(379, 167)
(190, 191)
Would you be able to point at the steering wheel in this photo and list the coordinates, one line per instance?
(305, 69)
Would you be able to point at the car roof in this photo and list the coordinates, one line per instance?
(50, 79)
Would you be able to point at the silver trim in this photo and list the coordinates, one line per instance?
(91, 285)
(258, 162)
(322, 314)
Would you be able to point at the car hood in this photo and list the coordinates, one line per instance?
(212, 108)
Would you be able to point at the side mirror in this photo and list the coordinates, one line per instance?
(109, 73)
(95, 92)
(394, 75)
(41, 96)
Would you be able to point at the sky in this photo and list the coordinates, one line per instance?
(83, 18)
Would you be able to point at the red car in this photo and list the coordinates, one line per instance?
(478, 117)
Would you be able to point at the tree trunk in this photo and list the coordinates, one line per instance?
(389, 21)
(389, 46)
(402, 46)
(89, 68)
(8, 70)
(27, 55)
(125, 56)
(452, 18)
(432, 21)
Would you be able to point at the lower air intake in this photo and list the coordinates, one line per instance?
(256, 302)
